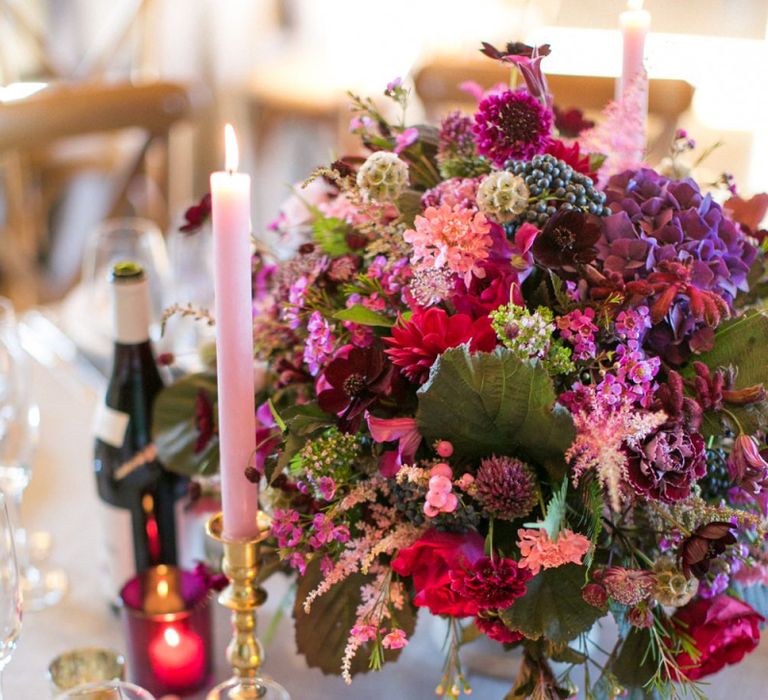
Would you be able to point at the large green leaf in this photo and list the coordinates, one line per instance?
(741, 343)
(364, 316)
(634, 666)
(174, 429)
(552, 606)
(322, 634)
(488, 403)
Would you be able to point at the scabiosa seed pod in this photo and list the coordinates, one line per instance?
(672, 587)
(506, 487)
(503, 196)
(383, 176)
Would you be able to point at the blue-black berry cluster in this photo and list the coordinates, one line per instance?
(553, 184)
(714, 486)
(409, 500)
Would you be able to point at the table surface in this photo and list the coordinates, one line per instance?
(62, 500)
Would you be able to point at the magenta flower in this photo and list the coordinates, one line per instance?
(493, 584)
(406, 138)
(511, 125)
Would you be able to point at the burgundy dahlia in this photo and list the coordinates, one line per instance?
(493, 584)
(506, 487)
(667, 464)
(511, 125)
(416, 345)
(495, 629)
(357, 381)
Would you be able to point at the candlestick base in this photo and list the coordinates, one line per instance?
(243, 596)
(262, 688)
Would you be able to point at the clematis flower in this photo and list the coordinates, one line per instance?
(747, 466)
(567, 239)
(357, 382)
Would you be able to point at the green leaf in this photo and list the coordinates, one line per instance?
(330, 234)
(301, 423)
(740, 343)
(556, 508)
(487, 403)
(174, 429)
(634, 666)
(322, 635)
(596, 160)
(552, 606)
(364, 316)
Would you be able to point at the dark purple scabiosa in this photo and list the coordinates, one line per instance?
(678, 242)
(667, 464)
(568, 239)
(706, 543)
(511, 125)
(493, 584)
(357, 381)
(595, 595)
(506, 487)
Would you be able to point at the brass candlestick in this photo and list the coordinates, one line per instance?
(242, 596)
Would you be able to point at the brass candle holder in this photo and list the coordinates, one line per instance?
(243, 596)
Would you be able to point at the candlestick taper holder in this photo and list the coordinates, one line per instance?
(243, 596)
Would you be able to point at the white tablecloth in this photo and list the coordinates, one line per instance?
(62, 499)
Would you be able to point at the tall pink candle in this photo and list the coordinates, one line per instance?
(231, 197)
(634, 23)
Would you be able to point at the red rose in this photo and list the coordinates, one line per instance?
(724, 629)
(430, 560)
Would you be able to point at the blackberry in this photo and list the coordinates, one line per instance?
(714, 486)
(464, 518)
(553, 184)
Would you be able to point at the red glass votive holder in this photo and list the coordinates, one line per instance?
(167, 620)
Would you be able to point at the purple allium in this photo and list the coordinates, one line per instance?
(657, 223)
(506, 487)
(511, 125)
(456, 137)
(667, 464)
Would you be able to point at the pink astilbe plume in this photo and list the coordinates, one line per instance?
(620, 133)
(603, 430)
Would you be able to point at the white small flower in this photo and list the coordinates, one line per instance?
(383, 176)
(502, 196)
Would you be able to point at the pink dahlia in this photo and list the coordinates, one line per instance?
(416, 345)
(453, 237)
(511, 125)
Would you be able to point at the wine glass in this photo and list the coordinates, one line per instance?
(88, 316)
(10, 591)
(109, 690)
(19, 423)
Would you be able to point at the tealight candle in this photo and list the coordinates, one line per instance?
(167, 619)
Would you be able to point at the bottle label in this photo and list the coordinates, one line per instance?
(119, 561)
(110, 425)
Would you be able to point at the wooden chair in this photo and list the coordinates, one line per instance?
(437, 84)
(32, 128)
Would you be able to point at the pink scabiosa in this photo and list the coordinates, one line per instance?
(493, 584)
(416, 345)
(506, 487)
(511, 125)
(451, 237)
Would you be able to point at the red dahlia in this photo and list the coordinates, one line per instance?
(493, 584)
(416, 345)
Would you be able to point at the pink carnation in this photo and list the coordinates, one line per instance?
(539, 552)
(453, 237)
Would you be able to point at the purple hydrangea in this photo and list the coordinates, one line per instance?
(511, 125)
(656, 221)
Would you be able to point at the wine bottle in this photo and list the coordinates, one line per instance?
(138, 494)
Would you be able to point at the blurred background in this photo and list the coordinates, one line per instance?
(115, 109)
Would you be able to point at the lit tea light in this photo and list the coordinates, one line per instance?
(177, 657)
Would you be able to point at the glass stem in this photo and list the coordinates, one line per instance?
(20, 533)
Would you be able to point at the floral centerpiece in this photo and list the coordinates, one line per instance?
(512, 377)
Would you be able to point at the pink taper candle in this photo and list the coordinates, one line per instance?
(231, 204)
(634, 23)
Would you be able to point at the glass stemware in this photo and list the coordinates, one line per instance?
(10, 591)
(111, 690)
(19, 423)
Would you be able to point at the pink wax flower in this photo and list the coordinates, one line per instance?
(539, 552)
(394, 640)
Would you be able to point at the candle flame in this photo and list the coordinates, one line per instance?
(171, 636)
(634, 4)
(231, 152)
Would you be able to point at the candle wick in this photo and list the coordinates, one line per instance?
(231, 171)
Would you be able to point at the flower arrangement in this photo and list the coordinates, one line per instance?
(515, 397)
